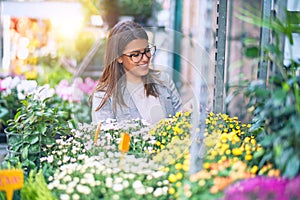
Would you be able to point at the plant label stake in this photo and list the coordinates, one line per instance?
(11, 180)
(124, 145)
(98, 130)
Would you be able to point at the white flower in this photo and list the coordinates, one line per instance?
(115, 197)
(76, 180)
(64, 197)
(44, 92)
(158, 192)
(109, 182)
(72, 184)
(50, 159)
(140, 191)
(50, 178)
(9, 83)
(67, 178)
(69, 190)
(137, 184)
(75, 197)
(83, 189)
(26, 87)
(66, 159)
(117, 187)
(50, 186)
(55, 183)
(62, 187)
(149, 189)
(125, 184)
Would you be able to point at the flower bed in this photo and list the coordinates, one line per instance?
(80, 165)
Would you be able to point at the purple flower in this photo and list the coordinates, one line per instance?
(260, 187)
(292, 190)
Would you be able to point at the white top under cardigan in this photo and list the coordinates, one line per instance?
(149, 107)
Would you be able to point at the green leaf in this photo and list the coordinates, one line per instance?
(35, 148)
(258, 154)
(48, 140)
(14, 139)
(34, 139)
(252, 52)
(24, 153)
(292, 167)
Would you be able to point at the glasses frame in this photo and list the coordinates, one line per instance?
(150, 46)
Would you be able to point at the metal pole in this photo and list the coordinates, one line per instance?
(264, 40)
(177, 42)
(220, 56)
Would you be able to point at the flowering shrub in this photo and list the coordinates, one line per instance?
(231, 155)
(76, 97)
(264, 188)
(12, 90)
(175, 127)
(71, 99)
(175, 161)
(111, 177)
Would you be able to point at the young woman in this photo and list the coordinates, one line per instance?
(128, 88)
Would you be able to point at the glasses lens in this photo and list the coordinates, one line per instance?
(136, 57)
(150, 51)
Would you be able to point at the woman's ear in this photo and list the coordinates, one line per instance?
(120, 60)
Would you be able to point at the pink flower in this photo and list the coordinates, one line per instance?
(1, 88)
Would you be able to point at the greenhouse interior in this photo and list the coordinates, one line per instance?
(152, 99)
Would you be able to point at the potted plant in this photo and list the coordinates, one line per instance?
(36, 124)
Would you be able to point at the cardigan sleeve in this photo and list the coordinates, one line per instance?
(174, 94)
(105, 112)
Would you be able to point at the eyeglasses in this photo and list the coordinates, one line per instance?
(138, 56)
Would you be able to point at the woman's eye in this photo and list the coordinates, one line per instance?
(147, 50)
(134, 54)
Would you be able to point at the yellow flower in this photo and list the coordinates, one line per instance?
(178, 166)
(247, 139)
(178, 114)
(214, 153)
(172, 178)
(158, 143)
(253, 141)
(228, 151)
(248, 157)
(171, 190)
(186, 114)
(185, 167)
(206, 165)
(179, 176)
(254, 169)
(178, 184)
(237, 151)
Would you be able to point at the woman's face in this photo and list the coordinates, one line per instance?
(134, 62)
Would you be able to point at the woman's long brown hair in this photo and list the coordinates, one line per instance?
(113, 79)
